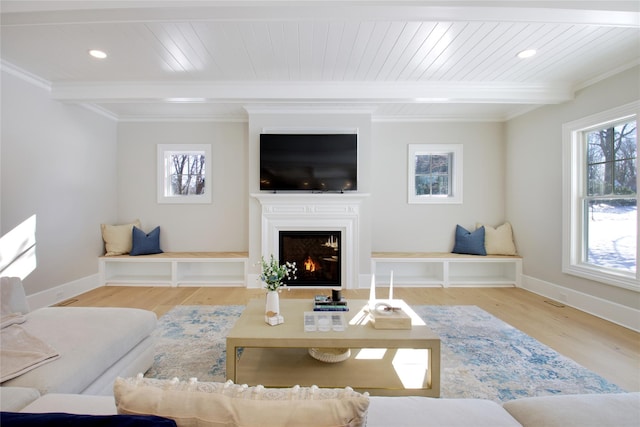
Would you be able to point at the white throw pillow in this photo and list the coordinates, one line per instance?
(118, 239)
(498, 241)
(214, 404)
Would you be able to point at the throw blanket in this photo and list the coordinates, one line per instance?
(12, 318)
(22, 352)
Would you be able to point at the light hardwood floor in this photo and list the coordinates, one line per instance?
(601, 346)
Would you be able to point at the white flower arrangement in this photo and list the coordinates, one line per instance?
(273, 273)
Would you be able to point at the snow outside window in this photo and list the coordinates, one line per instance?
(601, 198)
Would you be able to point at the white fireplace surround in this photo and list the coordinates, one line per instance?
(314, 212)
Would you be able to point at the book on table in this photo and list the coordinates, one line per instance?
(325, 303)
(330, 308)
(326, 300)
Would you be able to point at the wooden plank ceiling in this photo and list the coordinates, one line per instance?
(398, 60)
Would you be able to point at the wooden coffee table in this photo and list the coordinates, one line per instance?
(382, 362)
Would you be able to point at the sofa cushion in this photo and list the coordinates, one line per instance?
(227, 404)
(415, 411)
(73, 404)
(89, 341)
(16, 398)
(596, 410)
(470, 243)
(21, 419)
(118, 238)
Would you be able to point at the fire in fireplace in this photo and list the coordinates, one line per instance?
(316, 254)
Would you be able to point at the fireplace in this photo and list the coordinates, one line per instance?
(315, 212)
(316, 254)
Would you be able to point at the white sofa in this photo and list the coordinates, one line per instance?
(95, 345)
(597, 410)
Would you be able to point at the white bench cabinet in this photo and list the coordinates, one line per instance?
(175, 269)
(446, 269)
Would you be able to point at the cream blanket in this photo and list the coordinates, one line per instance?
(21, 352)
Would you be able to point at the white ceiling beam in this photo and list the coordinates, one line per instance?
(608, 13)
(432, 92)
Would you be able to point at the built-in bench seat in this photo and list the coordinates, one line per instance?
(446, 269)
(175, 269)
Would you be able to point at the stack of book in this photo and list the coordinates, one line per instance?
(326, 303)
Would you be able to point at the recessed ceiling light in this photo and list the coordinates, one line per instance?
(97, 54)
(526, 53)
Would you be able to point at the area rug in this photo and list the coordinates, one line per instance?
(482, 356)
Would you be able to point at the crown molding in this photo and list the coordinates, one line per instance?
(22, 74)
(101, 111)
(218, 118)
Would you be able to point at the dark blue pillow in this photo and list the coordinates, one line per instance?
(19, 419)
(145, 244)
(470, 243)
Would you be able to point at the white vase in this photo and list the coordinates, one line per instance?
(273, 304)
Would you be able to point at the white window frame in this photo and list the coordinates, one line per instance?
(455, 173)
(573, 171)
(165, 169)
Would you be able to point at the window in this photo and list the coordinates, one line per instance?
(435, 173)
(601, 198)
(184, 173)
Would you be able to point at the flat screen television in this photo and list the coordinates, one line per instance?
(309, 162)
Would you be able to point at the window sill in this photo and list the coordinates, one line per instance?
(605, 276)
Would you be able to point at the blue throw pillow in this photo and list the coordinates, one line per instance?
(470, 243)
(145, 244)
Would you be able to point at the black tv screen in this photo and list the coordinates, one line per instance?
(311, 162)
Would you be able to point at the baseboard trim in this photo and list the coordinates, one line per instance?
(62, 292)
(607, 310)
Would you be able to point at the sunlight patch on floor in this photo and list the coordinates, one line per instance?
(371, 353)
(411, 365)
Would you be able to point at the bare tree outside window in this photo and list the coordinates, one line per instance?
(435, 173)
(188, 175)
(600, 197)
(611, 199)
(432, 174)
(611, 160)
(184, 173)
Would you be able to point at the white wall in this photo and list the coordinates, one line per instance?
(232, 221)
(75, 169)
(399, 226)
(59, 164)
(534, 182)
(218, 226)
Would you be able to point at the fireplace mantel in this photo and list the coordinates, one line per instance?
(314, 212)
(311, 198)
